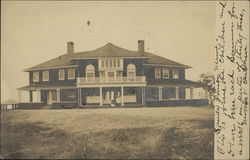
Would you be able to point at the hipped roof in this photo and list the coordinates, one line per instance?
(108, 50)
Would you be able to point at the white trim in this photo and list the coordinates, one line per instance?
(111, 85)
(37, 69)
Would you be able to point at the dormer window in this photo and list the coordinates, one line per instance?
(175, 74)
(45, 75)
(71, 73)
(90, 71)
(61, 74)
(35, 76)
(157, 72)
(165, 73)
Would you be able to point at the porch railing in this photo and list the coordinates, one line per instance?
(85, 80)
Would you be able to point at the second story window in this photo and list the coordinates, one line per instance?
(157, 72)
(35, 76)
(45, 75)
(165, 73)
(131, 71)
(61, 74)
(102, 63)
(71, 73)
(175, 73)
(90, 71)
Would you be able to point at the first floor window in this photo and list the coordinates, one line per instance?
(165, 73)
(168, 93)
(175, 73)
(71, 73)
(152, 93)
(61, 74)
(45, 75)
(157, 72)
(35, 76)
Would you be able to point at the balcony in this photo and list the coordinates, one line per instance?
(111, 80)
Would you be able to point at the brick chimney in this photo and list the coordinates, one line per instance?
(141, 49)
(70, 47)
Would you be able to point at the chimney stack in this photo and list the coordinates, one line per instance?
(70, 47)
(141, 50)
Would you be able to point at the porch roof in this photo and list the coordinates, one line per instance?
(175, 83)
(46, 86)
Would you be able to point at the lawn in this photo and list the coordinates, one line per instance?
(115, 133)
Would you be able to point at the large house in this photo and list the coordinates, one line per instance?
(111, 76)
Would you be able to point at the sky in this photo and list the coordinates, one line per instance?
(34, 32)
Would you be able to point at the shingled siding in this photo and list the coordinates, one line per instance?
(83, 64)
(150, 74)
(53, 77)
(138, 64)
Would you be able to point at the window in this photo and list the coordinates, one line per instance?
(45, 75)
(35, 76)
(157, 73)
(102, 63)
(118, 63)
(110, 63)
(90, 71)
(168, 93)
(61, 74)
(111, 74)
(165, 73)
(152, 93)
(71, 73)
(69, 94)
(175, 73)
(107, 63)
(131, 71)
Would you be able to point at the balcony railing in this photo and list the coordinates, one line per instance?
(86, 80)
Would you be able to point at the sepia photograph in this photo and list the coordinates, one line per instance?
(108, 79)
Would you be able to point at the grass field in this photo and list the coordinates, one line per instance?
(120, 133)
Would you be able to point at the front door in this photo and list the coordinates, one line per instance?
(111, 97)
(51, 97)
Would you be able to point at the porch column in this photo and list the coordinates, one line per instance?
(38, 92)
(31, 96)
(191, 92)
(143, 95)
(58, 96)
(122, 96)
(80, 96)
(160, 93)
(100, 96)
(177, 92)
